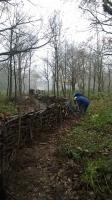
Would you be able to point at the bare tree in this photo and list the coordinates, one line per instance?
(46, 73)
(55, 26)
(18, 40)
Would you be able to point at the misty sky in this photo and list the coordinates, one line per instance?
(74, 22)
(75, 25)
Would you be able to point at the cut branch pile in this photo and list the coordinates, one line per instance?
(50, 99)
(19, 129)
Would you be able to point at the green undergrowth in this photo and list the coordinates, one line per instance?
(90, 143)
(6, 106)
(99, 95)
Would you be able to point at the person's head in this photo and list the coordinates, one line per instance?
(77, 94)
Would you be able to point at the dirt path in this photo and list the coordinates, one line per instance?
(40, 174)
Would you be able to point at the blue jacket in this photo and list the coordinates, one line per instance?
(82, 100)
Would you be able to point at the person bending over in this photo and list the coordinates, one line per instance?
(81, 101)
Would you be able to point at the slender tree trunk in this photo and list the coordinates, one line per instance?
(109, 80)
(65, 72)
(48, 85)
(63, 89)
(83, 78)
(30, 74)
(62, 82)
(15, 79)
(73, 76)
(47, 76)
(99, 75)
(99, 80)
(89, 80)
(57, 70)
(102, 82)
(8, 75)
(94, 79)
(24, 81)
(73, 79)
(102, 75)
(10, 78)
(19, 74)
(10, 66)
(54, 88)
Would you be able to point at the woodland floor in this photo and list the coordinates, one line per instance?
(45, 170)
(40, 174)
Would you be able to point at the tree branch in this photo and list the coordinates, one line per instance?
(97, 20)
(4, 0)
(4, 60)
(14, 52)
(18, 24)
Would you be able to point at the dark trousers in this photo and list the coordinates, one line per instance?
(83, 108)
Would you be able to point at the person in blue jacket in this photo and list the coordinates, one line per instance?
(82, 102)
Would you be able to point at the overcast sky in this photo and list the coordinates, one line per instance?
(74, 22)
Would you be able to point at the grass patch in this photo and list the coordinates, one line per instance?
(90, 143)
(95, 170)
(6, 106)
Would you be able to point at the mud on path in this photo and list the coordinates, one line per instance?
(40, 174)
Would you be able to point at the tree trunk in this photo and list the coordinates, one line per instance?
(19, 74)
(83, 78)
(89, 80)
(15, 79)
(57, 71)
(54, 88)
(10, 66)
(29, 82)
(109, 80)
(8, 82)
(94, 79)
(47, 76)
(65, 72)
(48, 86)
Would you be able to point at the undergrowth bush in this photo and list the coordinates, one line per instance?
(90, 143)
(6, 106)
(98, 174)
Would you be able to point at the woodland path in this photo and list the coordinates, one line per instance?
(39, 173)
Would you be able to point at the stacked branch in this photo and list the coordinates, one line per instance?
(21, 129)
